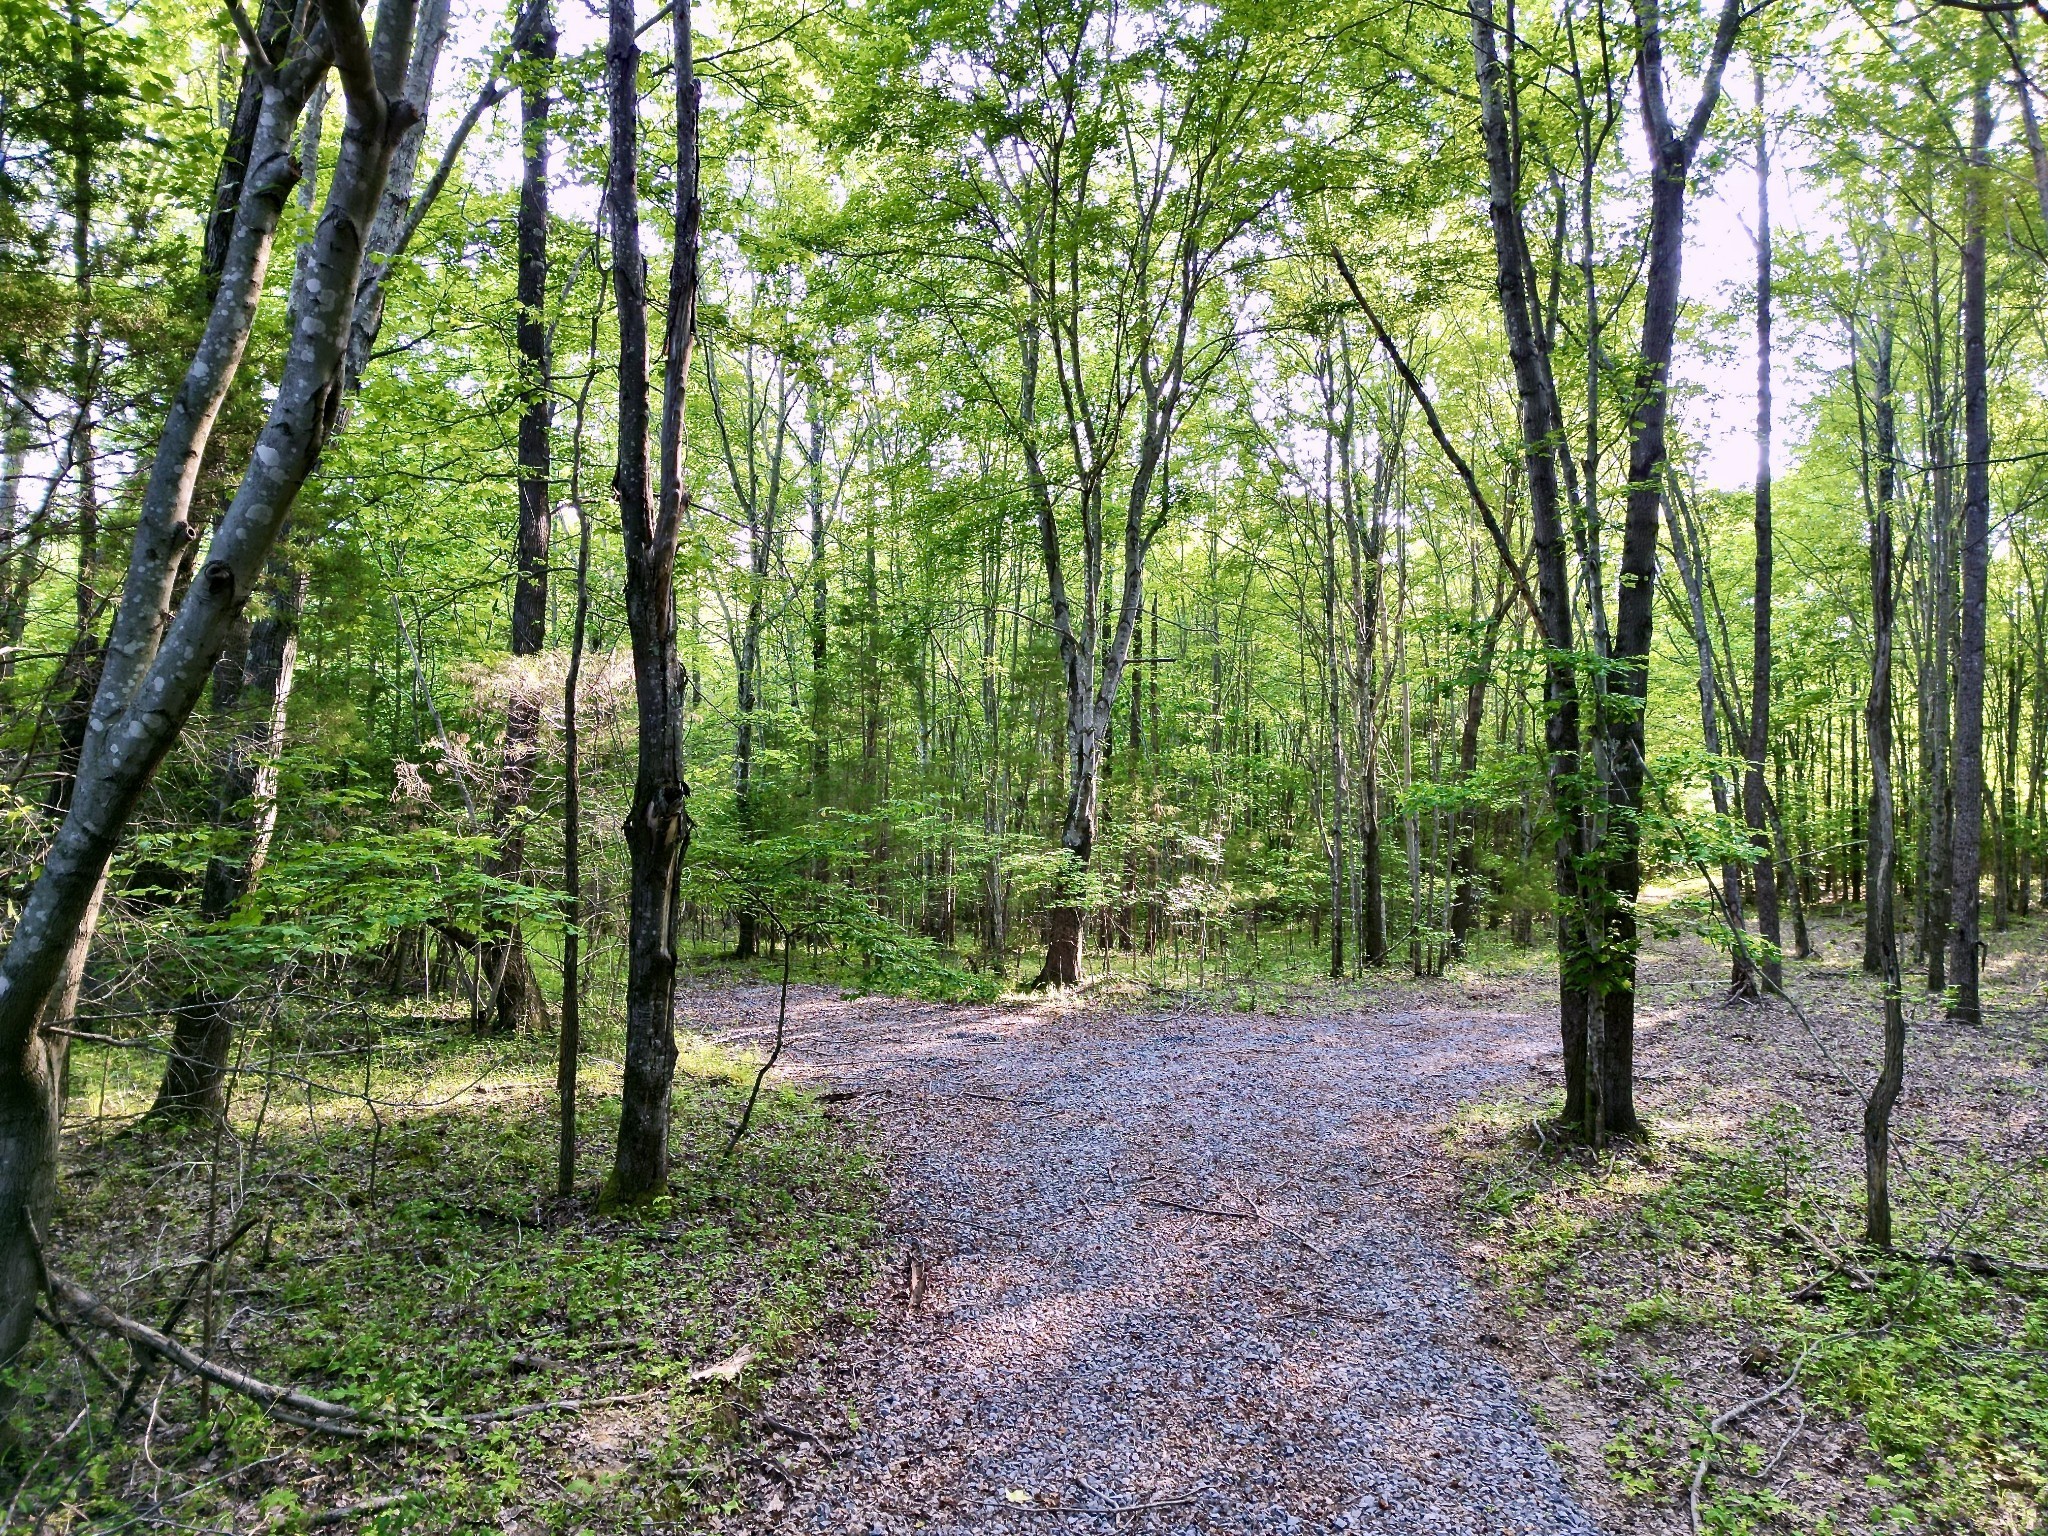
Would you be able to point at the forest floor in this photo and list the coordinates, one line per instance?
(1272, 1255)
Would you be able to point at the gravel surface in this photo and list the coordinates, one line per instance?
(1162, 1271)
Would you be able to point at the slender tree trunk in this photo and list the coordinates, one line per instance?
(1877, 1110)
(570, 1045)
(251, 689)
(821, 612)
(658, 825)
(1965, 884)
(1333, 687)
(1464, 913)
(22, 532)
(1691, 557)
(514, 996)
(1763, 866)
(1937, 790)
(1880, 921)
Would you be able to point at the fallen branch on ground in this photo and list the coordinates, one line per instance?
(343, 1513)
(304, 1410)
(1740, 1410)
(315, 1411)
(1200, 1210)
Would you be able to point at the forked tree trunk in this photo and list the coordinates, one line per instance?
(245, 789)
(1536, 406)
(155, 674)
(658, 823)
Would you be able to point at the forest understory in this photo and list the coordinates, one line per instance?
(373, 1248)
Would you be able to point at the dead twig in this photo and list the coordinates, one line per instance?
(795, 1432)
(341, 1514)
(1740, 1410)
(1096, 1509)
(201, 1269)
(79, 1347)
(1200, 1210)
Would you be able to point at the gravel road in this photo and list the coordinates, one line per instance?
(1162, 1271)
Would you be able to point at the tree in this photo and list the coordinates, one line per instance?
(155, 671)
(658, 825)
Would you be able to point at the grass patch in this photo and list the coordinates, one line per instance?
(410, 1257)
(1676, 1276)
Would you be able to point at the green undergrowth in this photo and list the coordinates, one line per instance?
(412, 1261)
(1691, 1272)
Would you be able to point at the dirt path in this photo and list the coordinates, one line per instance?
(1184, 1266)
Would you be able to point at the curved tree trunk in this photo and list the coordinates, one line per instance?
(168, 666)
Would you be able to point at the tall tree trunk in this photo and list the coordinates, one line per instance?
(821, 613)
(658, 824)
(1536, 407)
(570, 1045)
(1464, 914)
(167, 667)
(1763, 866)
(514, 993)
(20, 529)
(1937, 787)
(1691, 560)
(1333, 685)
(1966, 880)
(1877, 1110)
(1880, 922)
(1672, 151)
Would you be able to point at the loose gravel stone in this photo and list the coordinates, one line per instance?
(1164, 1271)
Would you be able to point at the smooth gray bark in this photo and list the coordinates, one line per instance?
(161, 683)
